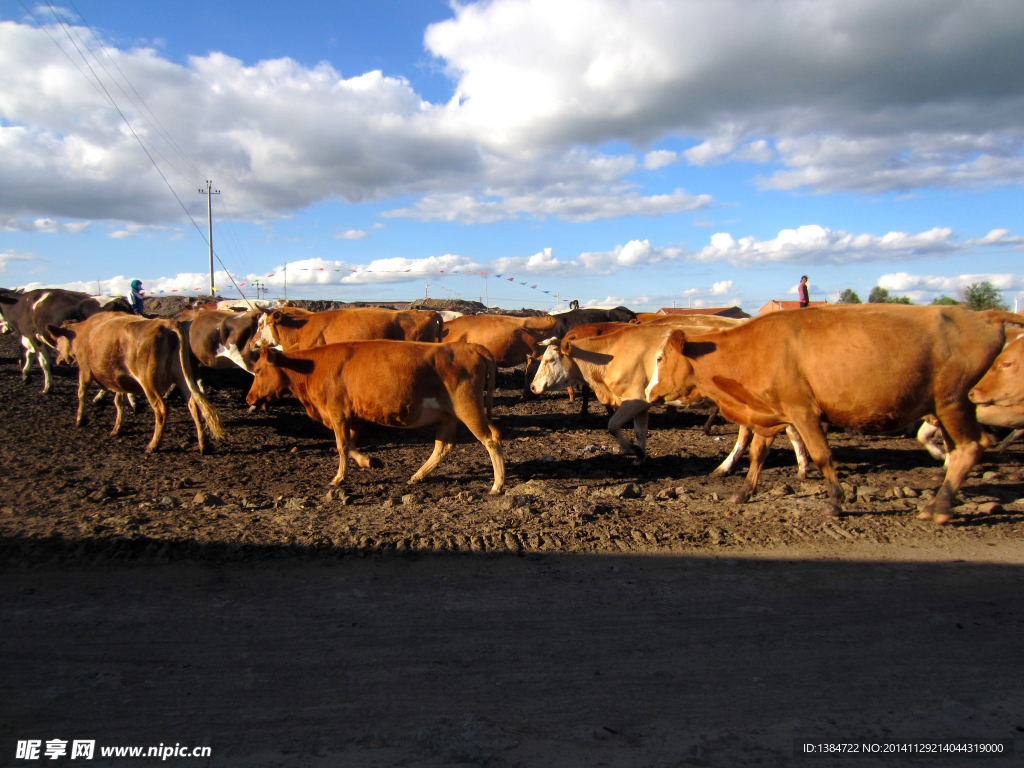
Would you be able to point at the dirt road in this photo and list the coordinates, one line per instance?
(595, 615)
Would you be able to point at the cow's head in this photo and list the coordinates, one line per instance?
(273, 372)
(557, 370)
(673, 377)
(64, 338)
(1003, 384)
(270, 384)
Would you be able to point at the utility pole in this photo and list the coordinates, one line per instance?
(487, 296)
(286, 281)
(209, 226)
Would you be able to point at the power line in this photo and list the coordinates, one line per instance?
(98, 85)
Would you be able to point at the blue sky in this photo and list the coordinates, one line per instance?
(636, 152)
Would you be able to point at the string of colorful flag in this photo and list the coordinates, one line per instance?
(364, 271)
(412, 271)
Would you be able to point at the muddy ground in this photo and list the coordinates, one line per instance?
(594, 614)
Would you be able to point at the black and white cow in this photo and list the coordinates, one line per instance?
(29, 313)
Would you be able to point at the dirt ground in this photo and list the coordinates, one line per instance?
(595, 614)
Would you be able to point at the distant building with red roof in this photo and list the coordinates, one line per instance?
(779, 306)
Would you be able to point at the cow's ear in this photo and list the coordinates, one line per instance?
(56, 331)
(269, 354)
(276, 315)
(676, 340)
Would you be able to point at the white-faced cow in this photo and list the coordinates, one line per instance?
(872, 368)
(133, 355)
(393, 383)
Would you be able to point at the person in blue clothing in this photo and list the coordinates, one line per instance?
(134, 296)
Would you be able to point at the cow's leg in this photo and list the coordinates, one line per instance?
(488, 435)
(742, 441)
(711, 420)
(341, 436)
(960, 427)
(29, 351)
(119, 409)
(759, 448)
(813, 437)
(361, 459)
(628, 410)
(160, 419)
(44, 363)
(571, 392)
(1015, 435)
(531, 371)
(444, 441)
(193, 409)
(802, 459)
(83, 388)
(640, 422)
(924, 437)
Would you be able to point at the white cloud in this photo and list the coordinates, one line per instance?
(933, 285)
(893, 86)
(471, 209)
(352, 234)
(659, 159)
(813, 244)
(866, 96)
(632, 255)
(721, 288)
(42, 224)
(6, 257)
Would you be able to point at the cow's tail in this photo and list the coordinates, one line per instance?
(999, 317)
(206, 410)
(440, 328)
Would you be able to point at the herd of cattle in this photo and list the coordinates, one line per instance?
(869, 368)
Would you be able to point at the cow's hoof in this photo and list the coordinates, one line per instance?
(739, 498)
(494, 492)
(414, 480)
(374, 463)
(336, 482)
(924, 514)
(943, 518)
(831, 511)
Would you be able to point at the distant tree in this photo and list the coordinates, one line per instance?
(944, 300)
(983, 295)
(880, 295)
(848, 297)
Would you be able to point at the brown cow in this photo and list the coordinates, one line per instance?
(871, 368)
(292, 328)
(393, 383)
(512, 340)
(617, 361)
(132, 355)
